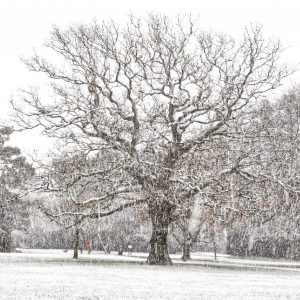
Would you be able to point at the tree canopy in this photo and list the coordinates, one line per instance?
(171, 100)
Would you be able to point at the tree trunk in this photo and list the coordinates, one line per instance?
(6, 243)
(106, 249)
(186, 250)
(215, 247)
(76, 244)
(160, 216)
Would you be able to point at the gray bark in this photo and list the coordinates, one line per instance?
(76, 244)
(160, 217)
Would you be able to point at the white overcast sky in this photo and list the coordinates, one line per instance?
(25, 24)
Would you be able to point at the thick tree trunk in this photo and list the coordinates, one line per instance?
(76, 244)
(160, 217)
(186, 250)
(159, 254)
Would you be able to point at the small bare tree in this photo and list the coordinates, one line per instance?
(84, 187)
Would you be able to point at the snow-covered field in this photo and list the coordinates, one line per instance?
(52, 274)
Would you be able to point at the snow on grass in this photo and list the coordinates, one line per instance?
(199, 258)
(54, 275)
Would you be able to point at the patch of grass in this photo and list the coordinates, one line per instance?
(176, 263)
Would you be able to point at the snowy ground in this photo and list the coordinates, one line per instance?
(52, 274)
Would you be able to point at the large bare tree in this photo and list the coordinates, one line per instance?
(155, 91)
